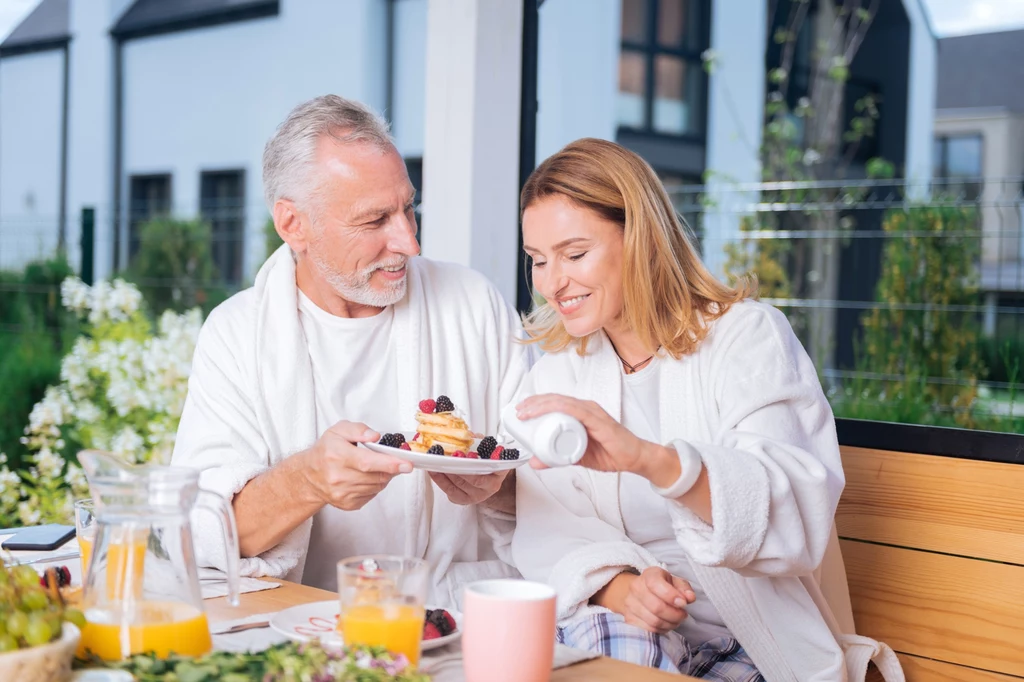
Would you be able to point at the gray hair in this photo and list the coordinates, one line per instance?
(290, 152)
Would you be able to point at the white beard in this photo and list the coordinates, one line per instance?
(356, 287)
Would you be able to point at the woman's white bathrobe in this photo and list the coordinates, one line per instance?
(251, 404)
(750, 403)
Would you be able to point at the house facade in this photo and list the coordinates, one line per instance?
(141, 107)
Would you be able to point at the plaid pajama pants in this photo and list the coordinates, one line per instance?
(721, 659)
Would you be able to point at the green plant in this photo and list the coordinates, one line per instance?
(918, 357)
(174, 267)
(35, 332)
(271, 239)
(122, 387)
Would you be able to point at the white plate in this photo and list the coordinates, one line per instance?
(317, 620)
(446, 464)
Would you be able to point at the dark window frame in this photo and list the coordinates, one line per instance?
(237, 258)
(650, 49)
(940, 166)
(135, 221)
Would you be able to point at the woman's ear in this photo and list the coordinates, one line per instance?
(291, 225)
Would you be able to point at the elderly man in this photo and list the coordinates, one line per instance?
(343, 333)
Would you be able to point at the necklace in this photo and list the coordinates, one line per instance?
(633, 369)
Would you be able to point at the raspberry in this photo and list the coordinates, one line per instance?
(435, 450)
(430, 631)
(427, 406)
(459, 453)
(416, 436)
(472, 455)
(404, 446)
(486, 447)
(392, 440)
(444, 404)
(511, 453)
(497, 452)
(442, 620)
(449, 620)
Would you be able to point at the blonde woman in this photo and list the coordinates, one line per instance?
(697, 533)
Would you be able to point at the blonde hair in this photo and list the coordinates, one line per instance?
(669, 296)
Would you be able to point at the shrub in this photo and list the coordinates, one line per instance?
(174, 267)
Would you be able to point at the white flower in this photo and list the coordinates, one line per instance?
(75, 478)
(127, 443)
(803, 103)
(74, 295)
(709, 56)
(811, 157)
(49, 464)
(29, 515)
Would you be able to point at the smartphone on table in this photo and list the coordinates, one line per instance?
(39, 538)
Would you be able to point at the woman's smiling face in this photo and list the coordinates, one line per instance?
(577, 262)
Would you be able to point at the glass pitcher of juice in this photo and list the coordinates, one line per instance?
(141, 592)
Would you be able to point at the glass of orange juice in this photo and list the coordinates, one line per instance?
(85, 530)
(382, 602)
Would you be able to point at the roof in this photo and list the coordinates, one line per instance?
(153, 17)
(982, 70)
(45, 28)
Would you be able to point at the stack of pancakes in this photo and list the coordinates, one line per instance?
(444, 429)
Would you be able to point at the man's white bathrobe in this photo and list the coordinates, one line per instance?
(251, 404)
(749, 401)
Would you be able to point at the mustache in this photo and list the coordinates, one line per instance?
(397, 263)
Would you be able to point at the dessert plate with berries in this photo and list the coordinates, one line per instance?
(443, 443)
(319, 620)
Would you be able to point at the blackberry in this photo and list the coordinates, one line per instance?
(510, 453)
(443, 404)
(391, 440)
(435, 450)
(436, 617)
(486, 447)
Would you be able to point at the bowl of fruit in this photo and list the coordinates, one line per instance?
(38, 633)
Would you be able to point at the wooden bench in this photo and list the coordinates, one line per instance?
(934, 552)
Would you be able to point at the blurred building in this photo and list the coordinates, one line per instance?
(158, 106)
(979, 152)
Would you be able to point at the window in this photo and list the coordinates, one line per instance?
(150, 197)
(222, 205)
(415, 169)
(662, 83)
(957, 164)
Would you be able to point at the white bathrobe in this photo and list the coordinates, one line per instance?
(251, 404)
(750, 403)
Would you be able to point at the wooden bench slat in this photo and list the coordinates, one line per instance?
(926, 670)
(941, 607)
(942, 504)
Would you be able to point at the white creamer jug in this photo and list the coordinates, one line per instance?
(555, 438)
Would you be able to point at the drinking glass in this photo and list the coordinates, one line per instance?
(382, 602)
(85, 530)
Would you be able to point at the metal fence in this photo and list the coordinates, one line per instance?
(875, 276)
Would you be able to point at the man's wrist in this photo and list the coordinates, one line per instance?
(300, 467)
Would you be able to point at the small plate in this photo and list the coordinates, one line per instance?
(317, 620)
(446, 464)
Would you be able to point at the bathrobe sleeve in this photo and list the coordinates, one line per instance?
(560, 537)
(561, 540)
(219, 433)
(774, 466)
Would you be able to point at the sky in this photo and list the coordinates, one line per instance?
(949, 17)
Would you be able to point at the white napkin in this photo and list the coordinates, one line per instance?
(445, 664)
(214, 583)
(248, 640)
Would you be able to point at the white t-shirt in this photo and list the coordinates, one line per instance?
(348, 387)
(645, 513)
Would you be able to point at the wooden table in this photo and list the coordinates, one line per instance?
(289, 594)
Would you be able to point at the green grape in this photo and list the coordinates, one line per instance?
(16, 624)
(26, 576)
(38, 632)
(75, 616)
(34, 600)
(8, 643)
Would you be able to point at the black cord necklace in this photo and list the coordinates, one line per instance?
(633, 369)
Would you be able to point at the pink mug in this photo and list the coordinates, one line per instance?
(508, 631)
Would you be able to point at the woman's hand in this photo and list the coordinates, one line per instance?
(655, 600)
(610, 445)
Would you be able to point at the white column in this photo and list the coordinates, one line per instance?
(736, 93)
(920, 98)
(471, 143)
(91, 122)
